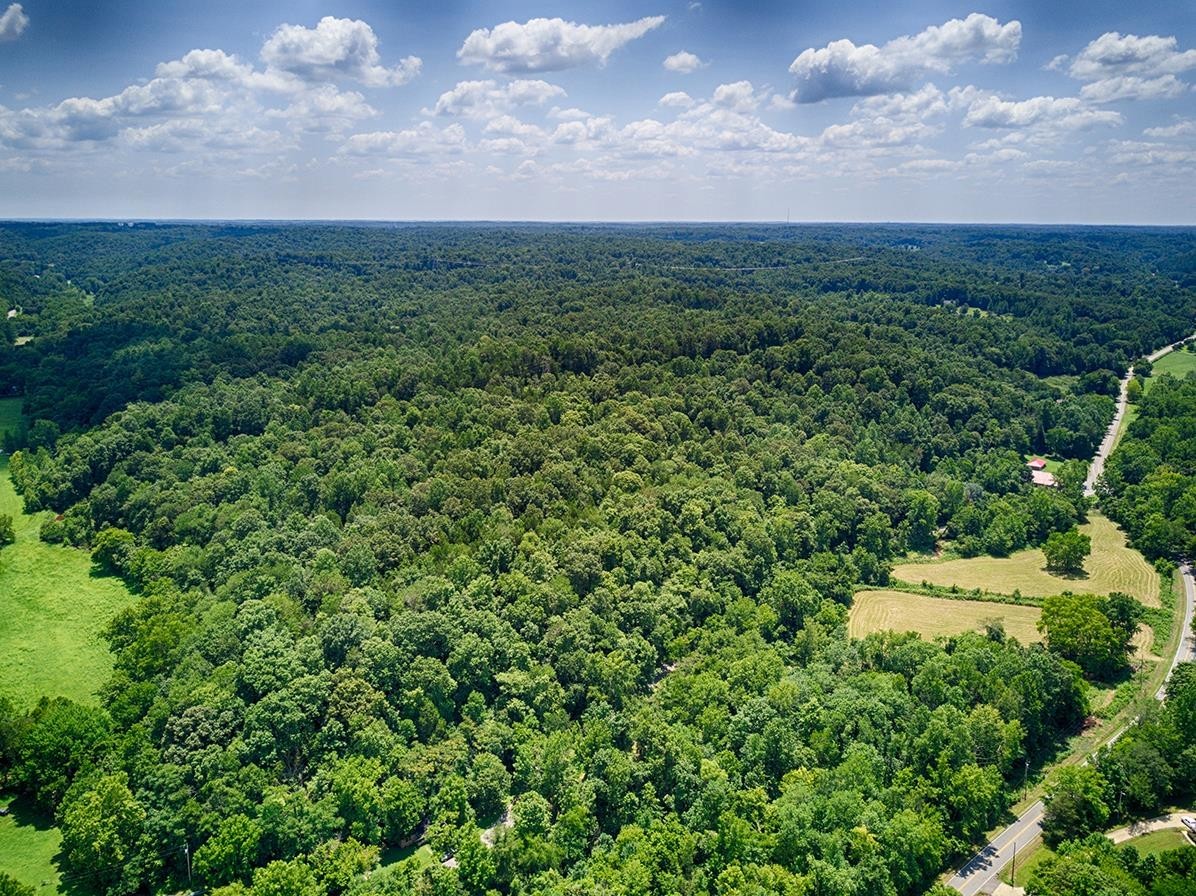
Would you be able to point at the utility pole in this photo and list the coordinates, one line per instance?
(187, 853)
(1013, 873)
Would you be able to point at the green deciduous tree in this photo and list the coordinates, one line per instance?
(1077, 628)
(101, 823)
(1076, 804)
(1066, 551)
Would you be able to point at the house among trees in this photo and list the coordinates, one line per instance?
(1039, 474)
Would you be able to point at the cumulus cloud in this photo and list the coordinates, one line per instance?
(1114, 54)
(482, 99)
(739, 96)
(1185, 127)
(570, 114)
(335, 48)
(180, 135)
(13, 22)
(1058, 113)
(1132, 87)
(423, 140)
(324, 108)
(1128, 67)
(543, 45)
(211, 92)
(683, 63)
(678, 98)
(843, 69)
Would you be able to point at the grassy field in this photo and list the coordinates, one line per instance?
(1113, 566)
(1159, 841)
(874, 611)
(1178, 364)
(52, 609)
(28, 844)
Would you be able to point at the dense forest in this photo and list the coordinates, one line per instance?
(535, 544)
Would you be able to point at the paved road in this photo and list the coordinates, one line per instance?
(1106, 446)
(1186, 651)
(980, 873)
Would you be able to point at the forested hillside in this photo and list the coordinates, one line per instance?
(535, 545)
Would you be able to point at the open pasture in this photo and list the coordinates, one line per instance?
(1178, 364)
(1113, 566)
(52, 607)
(875, 611)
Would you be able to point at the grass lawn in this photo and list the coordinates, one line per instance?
(874, 611)
(28, 843)
(421, 854)
(1052, 464)
(52, 610)
(1113, 566)
(1178, 364)
(1158, 841)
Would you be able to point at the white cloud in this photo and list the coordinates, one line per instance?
(739, 96)
(1114, 54)
(422, 140)
(928, 166)
(874, 132)
(570, 114)
(1129, 67)
(542, 45)
(344, 48)
(325, 108)
(683, 63)
(13, 22)
(181, 135)
(1056, 113)
(1141, 154)
(926, 102)
(1133, 87)
(205, 91)
(677, 99)
(481, 99)
(1185, 127)
(843, 69)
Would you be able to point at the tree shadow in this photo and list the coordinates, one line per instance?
(28, 814)
(1081, 576)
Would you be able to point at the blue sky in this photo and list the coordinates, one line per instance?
(1015, 111)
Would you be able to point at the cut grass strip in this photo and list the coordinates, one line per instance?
(1113, 566)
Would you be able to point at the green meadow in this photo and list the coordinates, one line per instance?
(52, 607)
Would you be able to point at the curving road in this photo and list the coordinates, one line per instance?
(980, 874)
(1106, 446)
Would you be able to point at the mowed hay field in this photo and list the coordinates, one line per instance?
(52, 609)
(1113, 566)
(897, 611)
